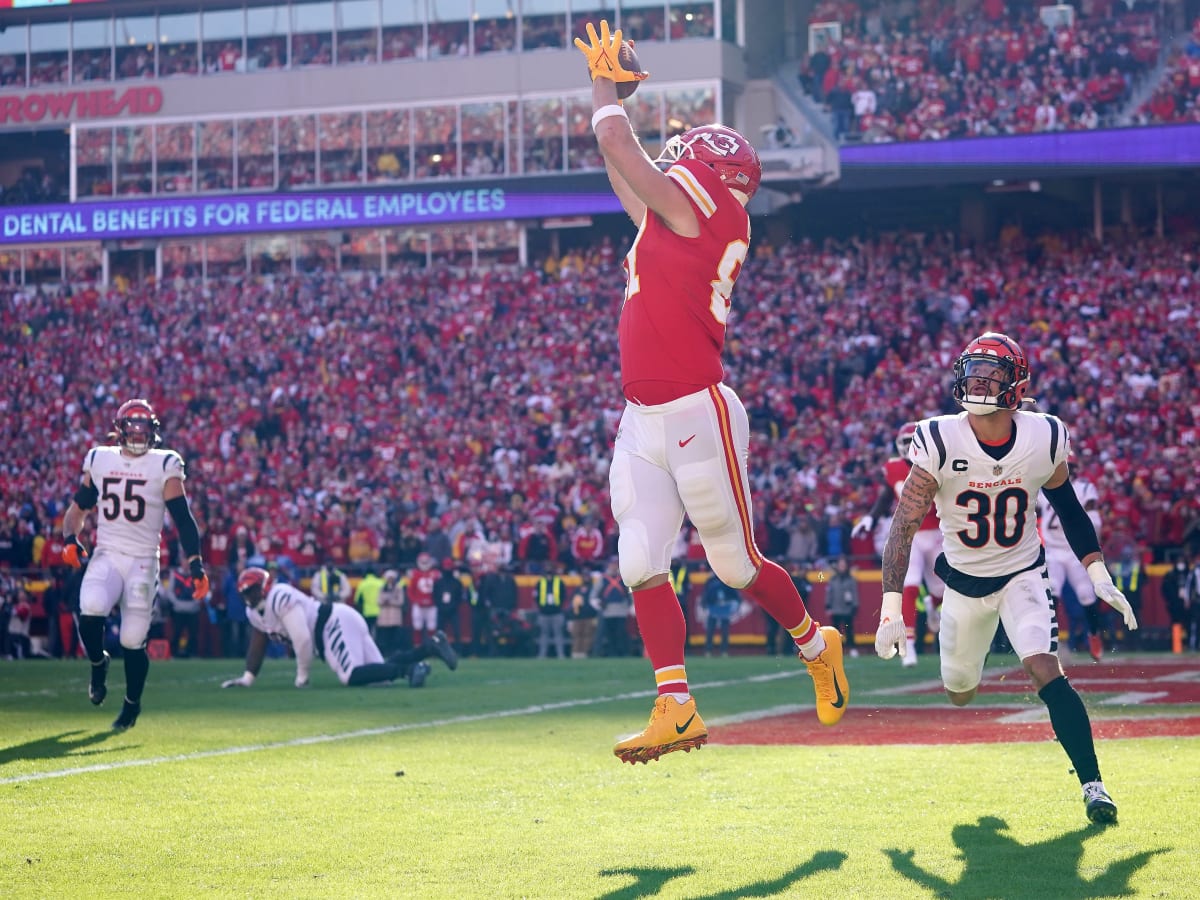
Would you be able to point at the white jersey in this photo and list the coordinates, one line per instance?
(285, 604)
(988, 506)
(130, 508)
(1053, 534)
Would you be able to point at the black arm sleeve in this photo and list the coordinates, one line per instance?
(1080, 532)
(86, 496)
(189, 535)
(883, 503)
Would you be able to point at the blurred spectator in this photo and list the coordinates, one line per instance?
(551, 594)
(331, 585)
(719, 603)
(583, 617)
(842, 600)
(391, 634)
(366, 599)
(451, 595)
(183, 612)
(616, 608)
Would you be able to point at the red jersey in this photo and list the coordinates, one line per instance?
(672, 327)
(420, 586)
(895, 471)
(587, 544)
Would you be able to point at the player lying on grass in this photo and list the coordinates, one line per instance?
(334, 632)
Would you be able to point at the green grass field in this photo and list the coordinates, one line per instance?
(498, 781)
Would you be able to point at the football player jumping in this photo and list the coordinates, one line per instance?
(132, 486)
(984, 468)
(683, 441)
(334, 632)
(927, 543)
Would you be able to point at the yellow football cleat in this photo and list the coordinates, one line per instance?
(673, 726)
(829, 678)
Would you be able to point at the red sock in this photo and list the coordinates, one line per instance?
(775, 592)
(664, 633)
(908, 609)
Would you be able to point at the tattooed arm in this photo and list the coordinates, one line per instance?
(915, 497)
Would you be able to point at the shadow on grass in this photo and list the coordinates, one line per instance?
(54, 746)
(648, 882)
(998, 866)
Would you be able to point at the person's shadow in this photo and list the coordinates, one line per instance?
(69, 743)
(648, 882)
(996, 865)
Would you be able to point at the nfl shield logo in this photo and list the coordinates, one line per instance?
(996, 470)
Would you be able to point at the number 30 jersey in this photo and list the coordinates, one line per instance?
(988, 506)
(130, 509)
(672, 328)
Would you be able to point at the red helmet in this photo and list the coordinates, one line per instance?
(729, 154)
(904, 438)
(253, 585)
(136, 426)
(424, 561)
(994, 361)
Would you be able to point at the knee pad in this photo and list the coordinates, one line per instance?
(959, 678)
(633, 553)
(134, 631)
(730, 562)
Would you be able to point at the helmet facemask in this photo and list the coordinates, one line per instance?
(985, 383)
(137, 434)
(136, 427)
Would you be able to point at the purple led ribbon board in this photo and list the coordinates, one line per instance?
(166, 217)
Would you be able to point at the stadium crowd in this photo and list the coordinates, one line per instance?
(359, 419)
(901, 70)
(1177, 98)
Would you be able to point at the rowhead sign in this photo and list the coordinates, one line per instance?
(71, 106)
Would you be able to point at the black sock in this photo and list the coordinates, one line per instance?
(91, 632)
(1072, 727)
(137, 664)
(406, 658)
(372, 672)
(1092, 614)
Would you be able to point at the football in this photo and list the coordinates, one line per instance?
(629, 62)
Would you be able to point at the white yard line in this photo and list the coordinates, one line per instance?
(373, 732)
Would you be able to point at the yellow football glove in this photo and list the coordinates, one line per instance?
(604, 55)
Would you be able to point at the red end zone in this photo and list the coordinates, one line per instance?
(1128, 699)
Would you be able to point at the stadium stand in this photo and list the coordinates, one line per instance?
(352, 399)
(378, 390)
(935, 71)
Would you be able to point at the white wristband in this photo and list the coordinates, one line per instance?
(613, 109)
(893, 606)
(1099, 573)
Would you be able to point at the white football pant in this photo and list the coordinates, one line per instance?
(131, 581)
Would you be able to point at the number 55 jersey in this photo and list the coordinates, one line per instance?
(987, 495)
(130, 508)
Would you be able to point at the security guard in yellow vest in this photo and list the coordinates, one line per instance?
(330, 585)
(550, 594)
(1128, 577)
